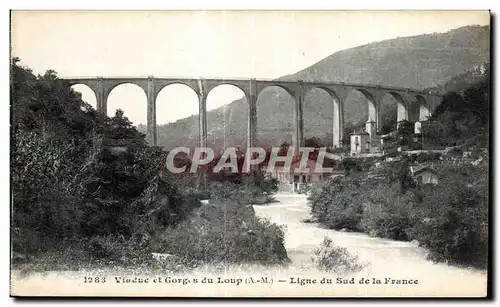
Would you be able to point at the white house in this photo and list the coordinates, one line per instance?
(367, 142)
(360, 143)
(424, 174)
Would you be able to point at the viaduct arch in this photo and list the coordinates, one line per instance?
(102, 87)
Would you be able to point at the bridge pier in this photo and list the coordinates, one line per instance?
(432, 102)
(101, 98)
(402, 110)
(375, 108)
(338, 122)
(338, 115)
(151, 113)
(424, 113)
(252, 115)
(202, 97)
(252, 120)
(373, 112)
(298, 116)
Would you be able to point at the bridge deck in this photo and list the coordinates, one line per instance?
(260, 80)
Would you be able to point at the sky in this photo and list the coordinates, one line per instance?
(245, 44)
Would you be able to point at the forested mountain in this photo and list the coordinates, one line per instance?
(419, 62)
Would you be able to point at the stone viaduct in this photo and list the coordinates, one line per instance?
(102, 87)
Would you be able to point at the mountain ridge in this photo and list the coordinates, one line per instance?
(419, 62)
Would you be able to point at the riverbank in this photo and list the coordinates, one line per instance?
(399, 261)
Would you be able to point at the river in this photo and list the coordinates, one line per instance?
(384, 261)
(383, 257)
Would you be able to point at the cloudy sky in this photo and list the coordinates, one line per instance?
(250, 44)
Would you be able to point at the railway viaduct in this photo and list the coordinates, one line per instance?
(102, 87)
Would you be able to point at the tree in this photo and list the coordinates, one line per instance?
(283, 149)
(405, 132)
(350, 165)
(453, 220)
(462, 116)
(68, 184)
(120, 127)
(313, 142)
(390, 123)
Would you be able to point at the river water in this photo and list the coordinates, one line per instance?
(385, 261)
(383, 258)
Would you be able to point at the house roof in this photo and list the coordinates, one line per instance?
(420, 168)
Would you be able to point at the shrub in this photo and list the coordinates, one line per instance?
(449, 219)
(228, 233)
(455, 152)
(453, 218)
(351, 165)
(315, 191)
(392, 154)
(258, 189)
(344, 212)
(254, 189)
(387, 213)
(331, 258)
(338, 204)
(70, 186)
(226, 190)
(428, 157)
(119, 250)
(90, 253)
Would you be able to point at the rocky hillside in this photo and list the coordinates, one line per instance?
(421, 62)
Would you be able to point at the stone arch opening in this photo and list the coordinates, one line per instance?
(161, 85)
(283, 88)
(231, 85)
(227, 117)
(318, 114)
(388, 113)
(402, 110)
(177, 109)
(423, 112)
(86, 93)
(359, 108)
(132, 100)
(275, 116)
(413, 108)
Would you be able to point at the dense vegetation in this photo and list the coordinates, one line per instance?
(462, 118)
(450, 219)
(88, 189)
(420, 62)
